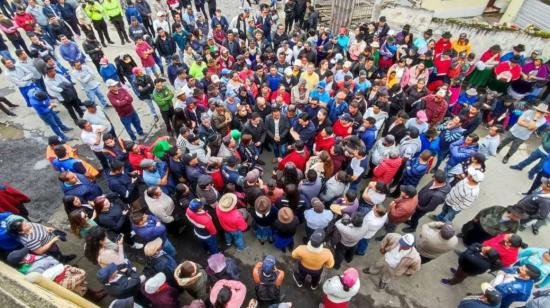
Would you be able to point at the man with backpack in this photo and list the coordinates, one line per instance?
(268, 279)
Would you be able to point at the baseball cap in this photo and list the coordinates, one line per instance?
(492, 295)
(407, 240)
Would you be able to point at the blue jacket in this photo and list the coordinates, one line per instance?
(123, 186)
(113, 219)
(131, 11)
(460, 152)
(85, 190)
(414, 171)
(222, 21)
(546, 166)
(150, 230)
(448, 136)
(323, 98)
(433, 145)
(231, 176)
(8, 242)
(518, 290)
(67, 11)
(181, 38)
(474, 303)
(41, 107)
(108, 72)
(307, 134)
(465, 99)
(369, 137)
(71, 52)
(274, 81)
(334, 110)
(166, 264)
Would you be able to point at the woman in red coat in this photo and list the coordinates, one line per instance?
(12, 200)
(324, 141)
(386, 171)
(343, 127)
(299, 156)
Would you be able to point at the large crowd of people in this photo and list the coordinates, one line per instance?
(351, 120)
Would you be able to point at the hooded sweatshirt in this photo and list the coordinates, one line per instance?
(335, 292)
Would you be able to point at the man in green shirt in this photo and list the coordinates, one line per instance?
(114, 12)
(197, 68)
(162, 95)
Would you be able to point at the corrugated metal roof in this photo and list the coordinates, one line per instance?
(534, 12)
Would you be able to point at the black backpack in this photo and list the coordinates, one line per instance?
(267, 291)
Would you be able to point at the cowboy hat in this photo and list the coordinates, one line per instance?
(285, 215)
(152, 247)
(227, 202)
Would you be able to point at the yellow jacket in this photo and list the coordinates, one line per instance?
(112, 8)
(461, 47)
(94, 10)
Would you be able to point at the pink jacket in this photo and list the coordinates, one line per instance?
(146, 60)
(231, 221)
(414, 76)
(238, 292)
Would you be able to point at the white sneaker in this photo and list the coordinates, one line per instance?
(132, 233)
(137, 246)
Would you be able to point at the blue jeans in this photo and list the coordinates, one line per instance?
(128, 121)
(210, 244)
(55, 123)
(447, 214)
(96, 92)
(169, 248)
(151, 106)
(151, 71)
(362, 247)
(441, 157)
(535, 155)
(279, 149)
(237, 236)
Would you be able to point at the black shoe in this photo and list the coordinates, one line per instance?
(515, 167)
(505, 159)
(260, 162)
(535, 229)
(446, 281)
(112, 43)
(104, 45)
(366, 270)
(11, 114)
(521, 227)
(409, 230)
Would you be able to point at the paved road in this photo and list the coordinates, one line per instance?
(23, 164)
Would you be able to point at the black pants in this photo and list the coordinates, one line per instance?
(168, 117)
(101, 27)
(201, 9)
(118, 22)
(342, 252)
(212, 9)
(303, 272)
(148, 24)
(73, 107)
(288, 23)
(88, 31)
(73, 23)
(6, 8)
(102, 160)
(5, 101)
(424, 260)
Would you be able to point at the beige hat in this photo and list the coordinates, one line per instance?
(471, 92)
(181, 92)
(227, 202)
(285, 215)
(152, 247)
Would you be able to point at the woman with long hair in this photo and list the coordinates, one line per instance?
(71, 203)
(113, 216)
(322, 164)
(101, 251)
(81, 223)
(289, 175)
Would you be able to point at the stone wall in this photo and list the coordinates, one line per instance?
(480, 39)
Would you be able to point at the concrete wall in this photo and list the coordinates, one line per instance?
(455, 8)
(480, 39)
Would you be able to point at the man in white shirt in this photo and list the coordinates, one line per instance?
(374, 220)
(95, 115)
(162, 206)
(461, 196)
(92, 135)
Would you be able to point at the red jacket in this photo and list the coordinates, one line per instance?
(25, 21)
(508, 255)
(324, 143)
(442, 45)
(134, 159)
(122, 102)
(340, 130)
(402, 210)
(201, 220)
(147, 60)
(11, 199)
(217, 179)
(386, 171)
(436, 107)
(442, 66)
(231, 221)
(165, 297)
(298, 159)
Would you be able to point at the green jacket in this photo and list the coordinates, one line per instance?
(163, 98)
(94, 10)
(112, 8)
(197, 70)
(490, 220)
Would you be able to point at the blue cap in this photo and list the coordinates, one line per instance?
(322, 84)
(268, 265)
(105, 273)
(195, 204)
(226, 71)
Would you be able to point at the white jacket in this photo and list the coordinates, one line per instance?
(335, 292)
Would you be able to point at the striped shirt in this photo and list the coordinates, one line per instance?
(462, 195)
(38, 237)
